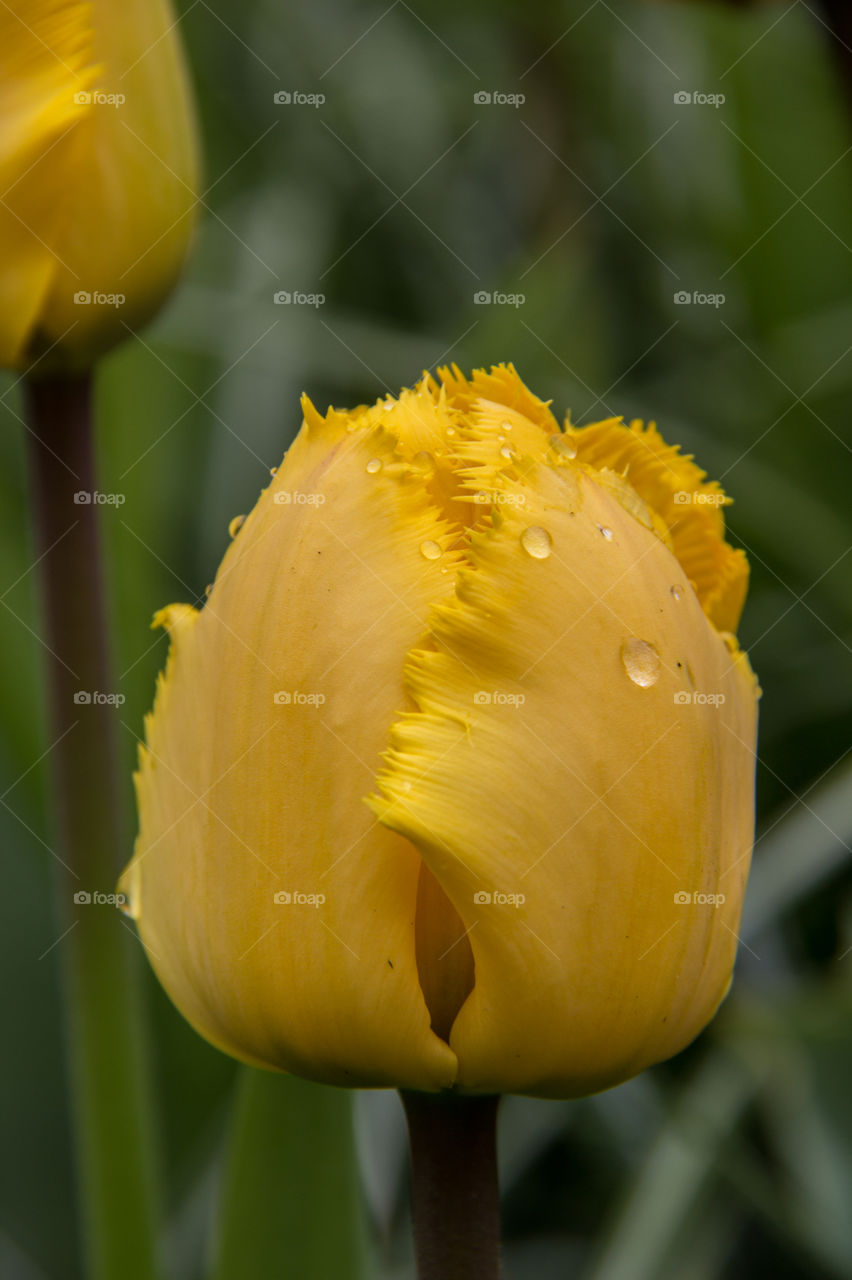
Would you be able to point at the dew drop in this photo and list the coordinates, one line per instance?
(374, 465)
(607, 533)
(676, 591)
(388, 406)
(563, 447)
(507, 451)
(208, 588)
(451, 431)
(126, 907)
(430, 550)
(423, 461)
(235, 525)
(506, 425)
(537, 542)
(641, 662)
(273, 471)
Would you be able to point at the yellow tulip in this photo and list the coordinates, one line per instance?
(450, 781)
(98, 170)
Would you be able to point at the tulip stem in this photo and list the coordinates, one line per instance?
(105, 1047)
(454, 1190)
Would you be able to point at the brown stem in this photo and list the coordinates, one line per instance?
(455, 1196)
(111, 1112)
(837, 17)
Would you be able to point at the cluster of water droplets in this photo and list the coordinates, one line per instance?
(640, 658)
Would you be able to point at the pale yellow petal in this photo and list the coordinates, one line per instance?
(326, 586)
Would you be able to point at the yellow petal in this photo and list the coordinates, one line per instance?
(46, 61)
(98, 161)
(502, 386)
(562, 806)
(325, 587)
(690, 509)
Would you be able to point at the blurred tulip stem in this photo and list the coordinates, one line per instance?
(454, 1190)
(113, 1130)
(837, 20)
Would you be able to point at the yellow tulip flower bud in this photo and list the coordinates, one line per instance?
(98, 172)
(450, 781)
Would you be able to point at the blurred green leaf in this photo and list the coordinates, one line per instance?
(291, 1203)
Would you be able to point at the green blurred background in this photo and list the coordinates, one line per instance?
(598, 198)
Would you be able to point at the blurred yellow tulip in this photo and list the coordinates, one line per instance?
(534, 629)
(98, 173)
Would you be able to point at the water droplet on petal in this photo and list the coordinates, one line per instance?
(607, 533)
(676, 591)
(537, 542)
(235, 525)
(641, 662)
(374, 465)
(423, 461)
(388, 406)
(430, 550)
(125, 906)
(563, 447)
(273, 471)
(506, 425)
(507, 451)
(208, 588)
(451, 431)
